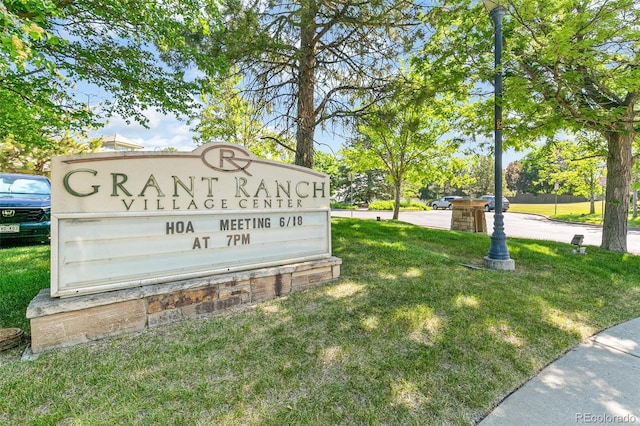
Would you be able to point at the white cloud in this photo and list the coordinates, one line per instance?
(164, 131)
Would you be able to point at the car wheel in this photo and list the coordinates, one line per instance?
(434, 206)
(486, 207)
(450, 207)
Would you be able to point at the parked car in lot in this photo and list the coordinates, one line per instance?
(444, 202)
(491, 203)
(25, 207)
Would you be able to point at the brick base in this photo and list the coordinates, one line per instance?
(57, 323)
(468, 216)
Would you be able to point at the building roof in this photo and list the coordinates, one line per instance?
(119, 143)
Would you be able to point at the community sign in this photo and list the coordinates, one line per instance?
(127, 219)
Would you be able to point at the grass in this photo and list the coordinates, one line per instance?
(24, 271)
(407, 336)
(571, 212)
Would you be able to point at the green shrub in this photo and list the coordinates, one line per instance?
(381, 205)
(342, 206)
(404, 205)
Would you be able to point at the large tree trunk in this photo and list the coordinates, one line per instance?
(306, 120)
(619, 163)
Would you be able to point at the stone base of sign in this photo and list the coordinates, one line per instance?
(468, 215)
(57, 323)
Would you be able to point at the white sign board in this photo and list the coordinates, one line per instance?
(128, 219)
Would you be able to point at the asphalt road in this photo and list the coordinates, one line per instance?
(515, 225)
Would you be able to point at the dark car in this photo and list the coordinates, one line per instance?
(25, 207)
(491, 203)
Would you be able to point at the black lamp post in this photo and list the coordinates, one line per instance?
(498, 256)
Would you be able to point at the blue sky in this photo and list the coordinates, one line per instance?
(168, 131)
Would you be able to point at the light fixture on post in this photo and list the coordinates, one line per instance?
(498, 256)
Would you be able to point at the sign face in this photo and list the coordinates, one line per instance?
(137, 218)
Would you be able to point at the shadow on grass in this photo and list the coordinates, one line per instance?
(407, 336)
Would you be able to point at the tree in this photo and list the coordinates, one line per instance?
(532, 165)
(227, 117)
(49, 48)
(635, 186)
(356, 188)
(16, 156)
(571, 166)
(514, 177)
(405, 138)
(568, 65)
(481, 171)
(312, 61)
(541, 168)
(329, 164)
(453, 179)
(578, 166)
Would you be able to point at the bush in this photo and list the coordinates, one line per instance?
(404, 205)
(342, 206)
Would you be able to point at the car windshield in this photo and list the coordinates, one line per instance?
(23, 185)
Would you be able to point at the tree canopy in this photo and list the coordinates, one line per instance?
(228, 117)
(569, 166)
(567, 65)
(406, 136)
(311, 62)
(49, 48)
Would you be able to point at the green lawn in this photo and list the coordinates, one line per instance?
(24, 271)
(571, 212)
(408, 335)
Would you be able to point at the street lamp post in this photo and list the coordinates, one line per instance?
(498, 256)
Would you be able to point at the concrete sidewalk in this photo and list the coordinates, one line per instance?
(598, 382)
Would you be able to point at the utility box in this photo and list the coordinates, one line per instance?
(468, 215)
